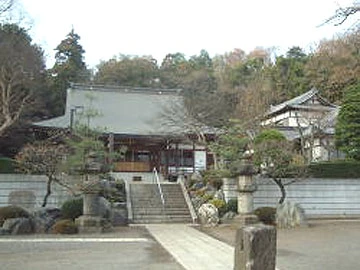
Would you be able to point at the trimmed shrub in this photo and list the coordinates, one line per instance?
(12, 211)
(207, 197)
(7, 165)
(65, 226)
(220, 205)
(266, 215)
(335, 169)
(72, 209)
(232, 206)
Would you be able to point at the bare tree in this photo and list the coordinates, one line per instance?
(21, 64)
(5, 5)
(44, 157)
(343, 13)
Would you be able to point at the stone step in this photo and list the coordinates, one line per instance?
(162, 220)
(148, 208)
(157, 212)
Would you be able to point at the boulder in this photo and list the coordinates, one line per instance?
(116, 213)
(208, 214)
(290, 215)
(4, 231)
(104, 208)
(23, 198)
(45, 218)
(19, 226)
(119, 217)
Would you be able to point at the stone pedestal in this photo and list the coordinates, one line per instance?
(255, 248)
(246, 188)
(91, 221)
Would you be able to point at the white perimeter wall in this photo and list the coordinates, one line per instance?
(31, 183)
(323, 197)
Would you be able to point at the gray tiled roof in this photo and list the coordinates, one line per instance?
(131, 111)
(298, 102)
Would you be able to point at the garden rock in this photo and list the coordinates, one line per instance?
(119, 217)
(18, 226)
(208, 215)
(290, 215)
(4, 231)
(104, 208)
(45, 218)
(23, 198)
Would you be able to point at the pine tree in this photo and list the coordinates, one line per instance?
(69, 68)
(348, 123)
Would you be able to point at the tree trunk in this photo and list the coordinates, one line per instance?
(281, 186)
(65, 186)
(48, 191)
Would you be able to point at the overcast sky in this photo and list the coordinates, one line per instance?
(156, 27)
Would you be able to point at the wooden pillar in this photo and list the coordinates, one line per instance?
(177, 157)
(193, 154)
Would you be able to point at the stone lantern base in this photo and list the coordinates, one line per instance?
(92, 224)
(92, 221)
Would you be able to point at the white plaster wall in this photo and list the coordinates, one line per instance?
(318, 196)
(33, 183)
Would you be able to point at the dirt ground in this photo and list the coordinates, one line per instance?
(323, 244)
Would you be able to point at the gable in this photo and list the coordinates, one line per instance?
(308, 101)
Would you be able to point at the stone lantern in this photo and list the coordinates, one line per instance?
(91, 220)
(246, 188)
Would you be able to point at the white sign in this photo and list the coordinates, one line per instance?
(200, 160)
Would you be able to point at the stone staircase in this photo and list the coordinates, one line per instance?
(147, 206)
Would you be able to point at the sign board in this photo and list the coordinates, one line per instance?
(200, 160)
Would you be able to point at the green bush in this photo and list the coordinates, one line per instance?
(65, 226)
(207, 197)
(12, 211)
(220, 205)
(72, 209)
(232, 205)
(266, 215)
(335, 169)
(7, 165)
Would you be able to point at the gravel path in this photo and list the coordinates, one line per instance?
(330, 245)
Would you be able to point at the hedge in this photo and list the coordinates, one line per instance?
(7, 165)
(335, 169)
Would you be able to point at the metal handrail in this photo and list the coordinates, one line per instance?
(156, 176)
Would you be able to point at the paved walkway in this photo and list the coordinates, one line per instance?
(193, 249)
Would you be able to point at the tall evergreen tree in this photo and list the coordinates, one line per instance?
(348, 123)
(288, 74)
(69, 67)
